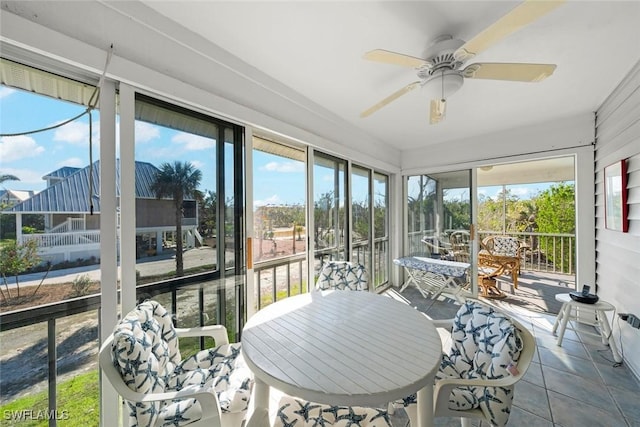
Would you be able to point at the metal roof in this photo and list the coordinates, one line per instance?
(63, 172)
(71, 195)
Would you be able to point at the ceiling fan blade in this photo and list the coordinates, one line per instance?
(522, 15)
(437, 111)
(390, 99)
(519, 72)
(388, 57)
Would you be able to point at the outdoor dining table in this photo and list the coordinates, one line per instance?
(434, 276)
(346, 348)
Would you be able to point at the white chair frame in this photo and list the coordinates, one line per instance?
(212, 416)
(442, 389)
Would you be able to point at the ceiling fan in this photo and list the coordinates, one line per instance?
(441, 72)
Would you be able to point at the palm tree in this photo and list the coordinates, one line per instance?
(8, 177)
(176, 181)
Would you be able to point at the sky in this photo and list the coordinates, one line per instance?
(277, 180)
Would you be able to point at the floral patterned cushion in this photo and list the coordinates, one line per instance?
(300, 413)
(145, 350)
(503, 245)
(342, 275)
(484, 343)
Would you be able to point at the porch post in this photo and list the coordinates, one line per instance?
(108, 255)
(19, 228)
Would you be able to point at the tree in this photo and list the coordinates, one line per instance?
(556, 213)
(8, 177)
(176, 181)
(208, 212)
(15, 259)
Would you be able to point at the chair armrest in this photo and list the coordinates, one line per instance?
(206, 395)
(484, 244)
(217, 332)
(522, 249)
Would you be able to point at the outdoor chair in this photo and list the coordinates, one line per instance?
(342, 275)
(436, 247)
(489, 353)
(459, 240)
(142, 360)
(501, 255)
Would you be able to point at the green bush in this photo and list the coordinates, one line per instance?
(80, 286)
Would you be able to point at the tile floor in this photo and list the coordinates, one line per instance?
(573, 385)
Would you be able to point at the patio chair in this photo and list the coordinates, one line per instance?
(142, 360)
(490, 352)
(436, 247)
(501, 255)
(342, 275)
(459, 240)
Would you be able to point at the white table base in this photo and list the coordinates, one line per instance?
(599, 309)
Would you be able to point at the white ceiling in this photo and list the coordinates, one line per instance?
(317, 47)
(310, 53)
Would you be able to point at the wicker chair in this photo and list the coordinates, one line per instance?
(460, 245)
(501, 255)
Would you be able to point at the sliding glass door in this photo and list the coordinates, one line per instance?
(439, 215)
(329, 204)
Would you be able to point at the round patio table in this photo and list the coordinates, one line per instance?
(342, 348)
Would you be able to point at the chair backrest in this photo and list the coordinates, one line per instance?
(502, 245)
(342, 275)
(145, 353)
(488, 344)
(460, 245)
(459, 238)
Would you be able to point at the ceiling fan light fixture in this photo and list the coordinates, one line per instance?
(443, 85)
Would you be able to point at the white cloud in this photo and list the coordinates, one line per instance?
(284, 167)
(27, 177)
(159, 153)
(146, 132)
(193, 142)
(197, 164)
(19, 147)
(272, 200)
(74, 162)
(5, 91)
(78, 133)
(521, 192)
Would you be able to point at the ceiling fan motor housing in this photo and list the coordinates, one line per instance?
(440, 76)
(440, 53)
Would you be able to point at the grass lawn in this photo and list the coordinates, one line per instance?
(78, 405)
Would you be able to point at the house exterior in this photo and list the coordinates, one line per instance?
(11, 197)
(72, 217)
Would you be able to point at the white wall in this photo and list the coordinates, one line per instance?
(542, 139)
(617, 253)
